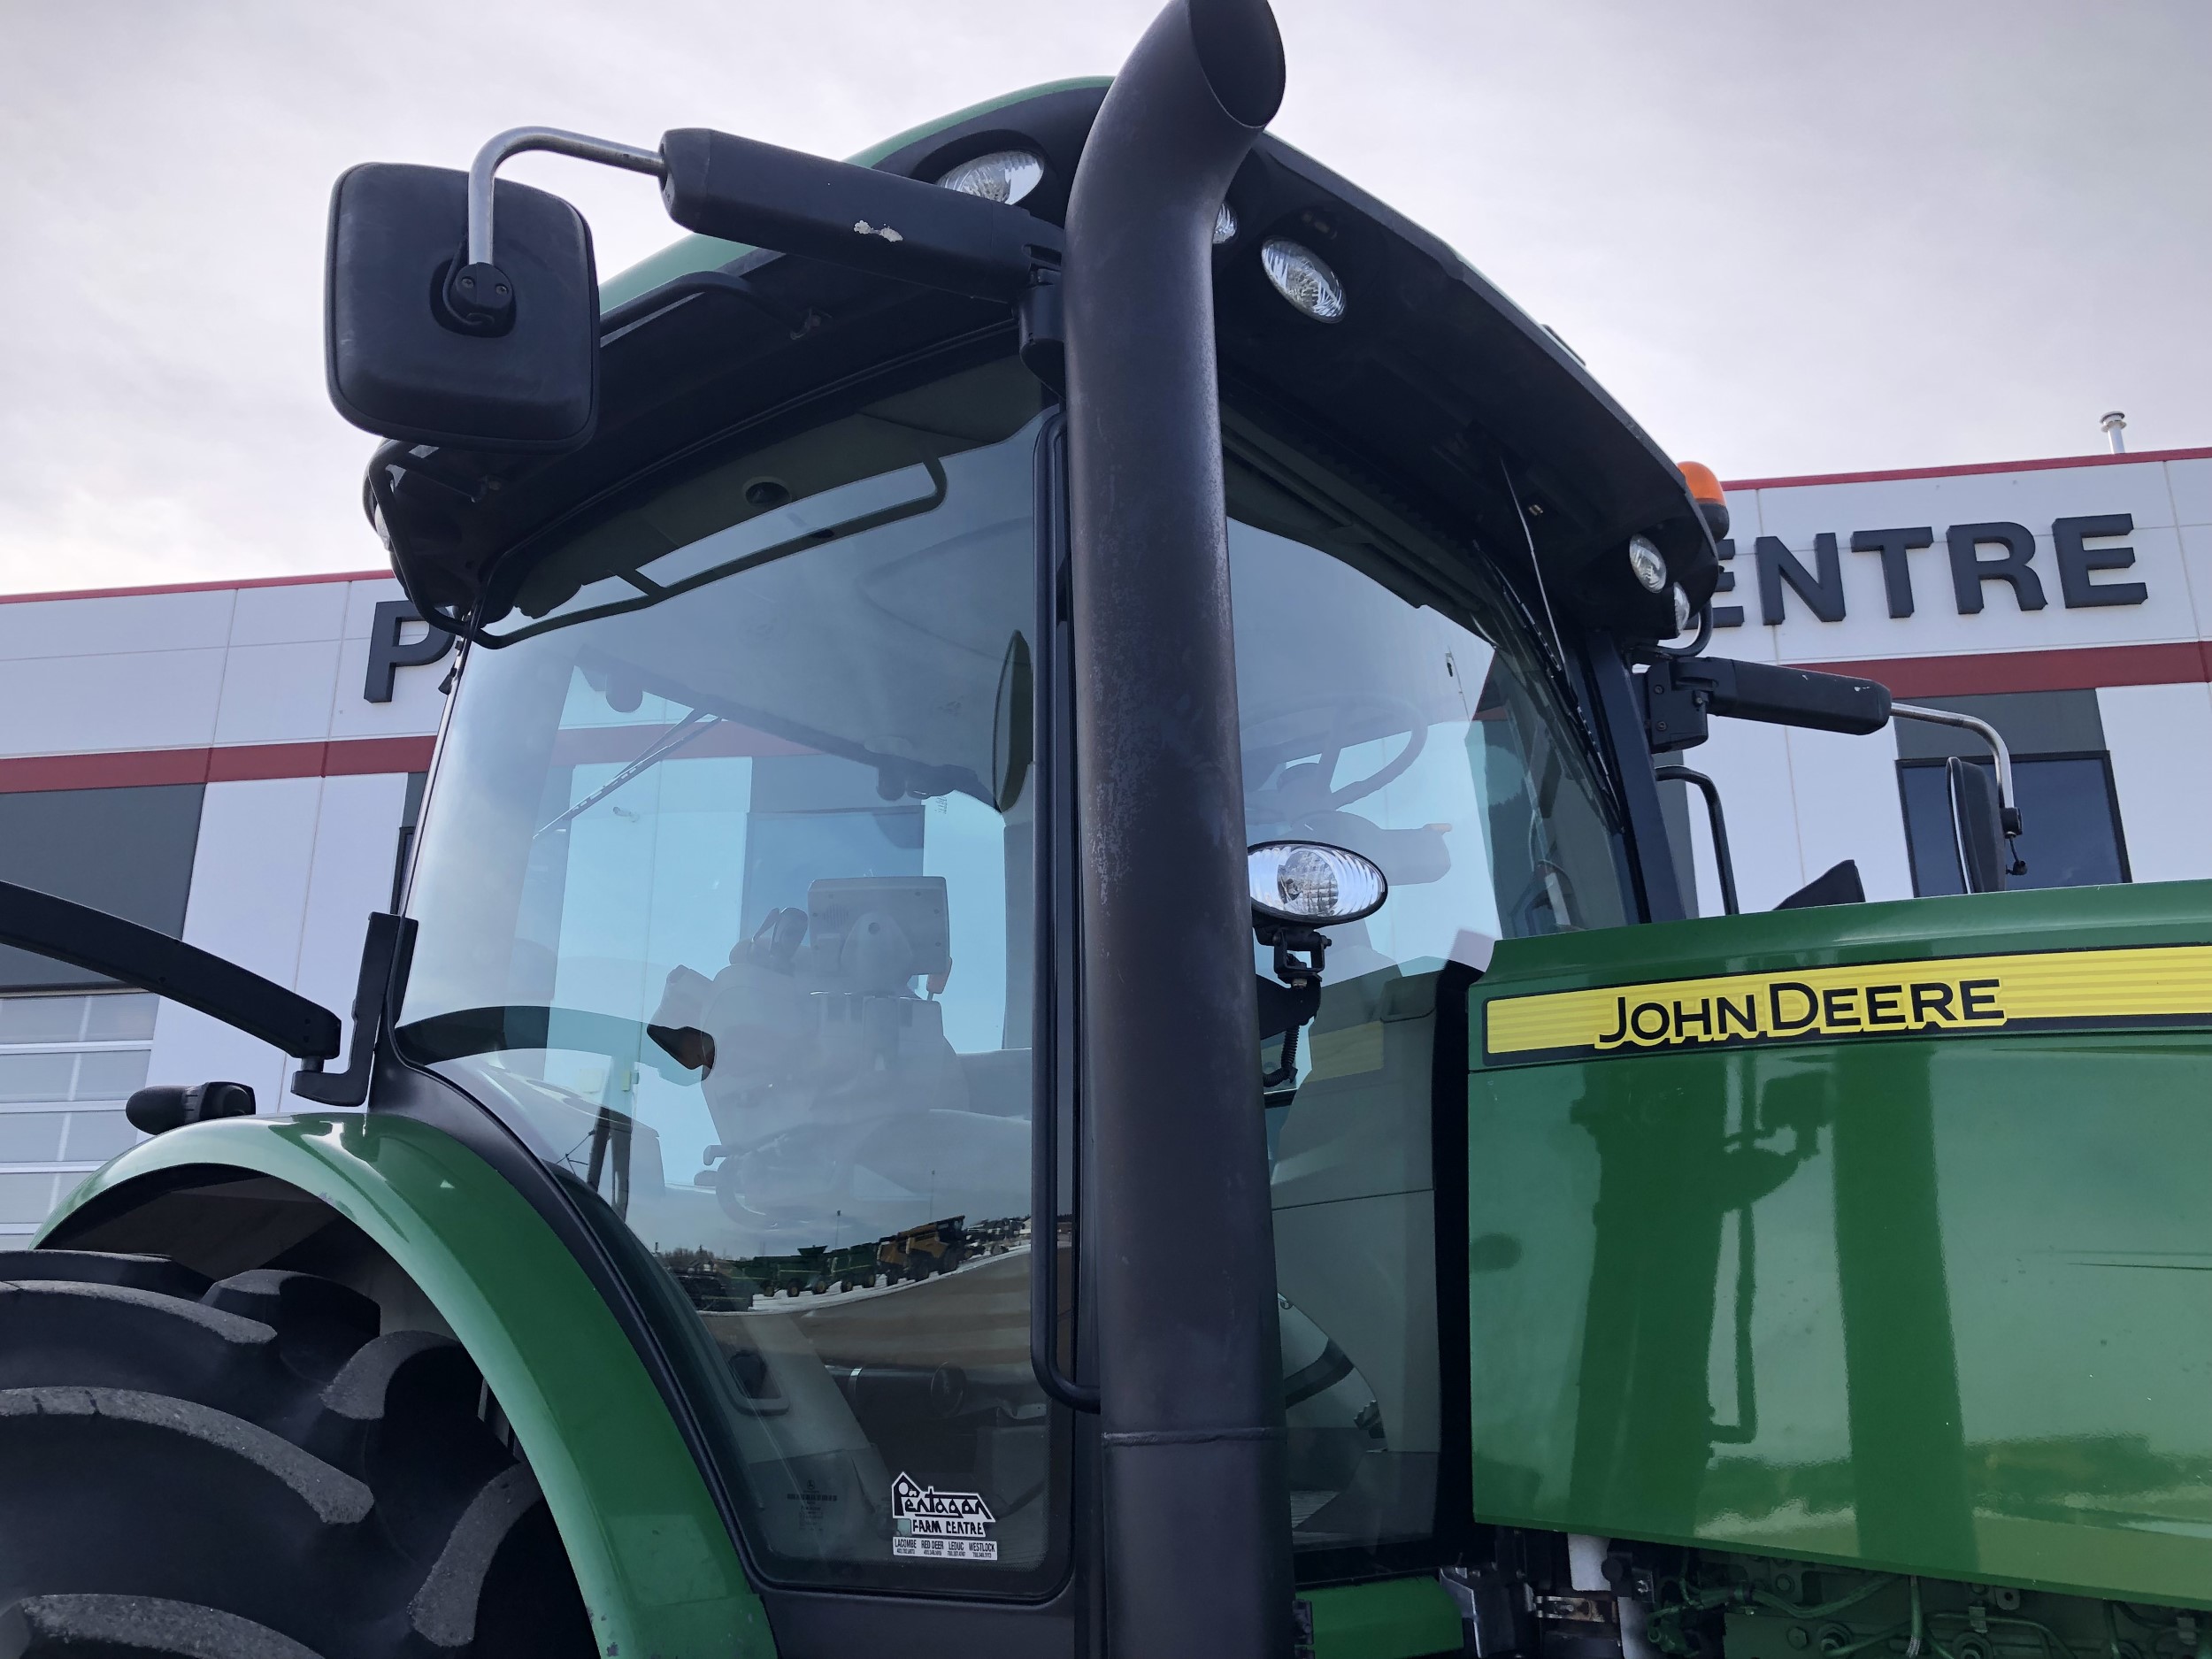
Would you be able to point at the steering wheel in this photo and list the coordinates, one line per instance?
(1404, 717)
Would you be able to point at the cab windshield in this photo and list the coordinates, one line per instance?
(725, 903)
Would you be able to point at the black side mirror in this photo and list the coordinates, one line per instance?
(425, 347)
(1984, 810)
(1978, 817)
(462, 310)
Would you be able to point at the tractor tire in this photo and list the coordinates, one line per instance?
(249, 1470)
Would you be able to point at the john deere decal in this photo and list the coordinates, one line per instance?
(939, 1525)
(2042, 991)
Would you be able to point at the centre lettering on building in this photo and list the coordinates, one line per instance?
(1975, 556)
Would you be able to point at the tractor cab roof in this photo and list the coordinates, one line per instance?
(1431, 382)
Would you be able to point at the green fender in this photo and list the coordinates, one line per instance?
(653, 1559)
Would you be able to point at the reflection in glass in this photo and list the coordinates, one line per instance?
(725, 907)
(1410, 720)
(2072, 833)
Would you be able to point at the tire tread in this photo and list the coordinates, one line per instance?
(331, 1492)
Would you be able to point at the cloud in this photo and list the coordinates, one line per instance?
(1789, 239)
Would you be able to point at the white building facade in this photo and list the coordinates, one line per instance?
(2069, 603)
(241, 765)
(234, 764)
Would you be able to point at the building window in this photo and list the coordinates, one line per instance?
(127, 851)
(2070, 816)
(74, 1045)
(68, 1063)
(409, 821)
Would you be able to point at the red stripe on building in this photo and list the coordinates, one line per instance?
(2147, 458)
(342, 757)
(305, 579)
(2083, 670)
(357, 757)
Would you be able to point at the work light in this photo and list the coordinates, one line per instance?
(1648, 563)
(1004, 175)
(1313, 883)
(1299, 277)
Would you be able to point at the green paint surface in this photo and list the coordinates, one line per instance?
(1935, 1304)
(651, 1554)
(681, 257)
(1393, 1618)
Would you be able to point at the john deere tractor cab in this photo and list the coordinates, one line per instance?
(1043, 1006)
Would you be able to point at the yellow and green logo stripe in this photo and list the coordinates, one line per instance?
(2168, 984)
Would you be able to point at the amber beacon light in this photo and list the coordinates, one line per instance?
(1711, 499)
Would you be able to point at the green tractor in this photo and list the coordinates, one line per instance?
(1043, 1006)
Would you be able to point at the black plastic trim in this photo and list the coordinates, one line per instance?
(1620, 717)
(1451, 1176)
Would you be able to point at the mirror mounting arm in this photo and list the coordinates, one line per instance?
(476, 296)
(1681, 691)
(514, 141)
(385, 954)
(1291, 940)
(2007, 802)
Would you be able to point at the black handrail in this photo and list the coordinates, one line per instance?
(1051, 913)
(1711, 792)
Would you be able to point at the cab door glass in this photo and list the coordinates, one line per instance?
(724, 907)
(1394, 702)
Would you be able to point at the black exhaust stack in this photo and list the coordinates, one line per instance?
(1197, 1510)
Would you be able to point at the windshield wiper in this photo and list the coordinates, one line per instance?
(152, 961)
(690, 727)
(683, 1054)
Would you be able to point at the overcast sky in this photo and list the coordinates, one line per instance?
(1789, 238)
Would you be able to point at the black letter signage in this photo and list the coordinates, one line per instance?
(2075, 561)
(1727, 616)
(1778, 564)
(1820, 588)
(1893, 545)
(387, 654)
(1970, 570)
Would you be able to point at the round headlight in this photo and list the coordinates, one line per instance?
(1312, 882)
(1004, 175)
(1299, 277)
(1683, 615)
(1224, 225)
(1648, 563)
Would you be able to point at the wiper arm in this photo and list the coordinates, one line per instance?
(683, 1054)
(690, 727)
(152, 961)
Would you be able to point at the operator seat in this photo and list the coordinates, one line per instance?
(840, 1105)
